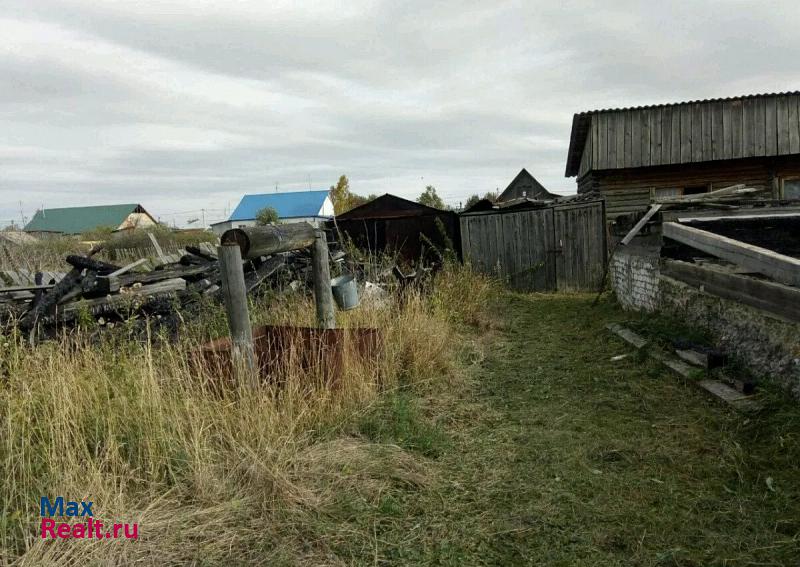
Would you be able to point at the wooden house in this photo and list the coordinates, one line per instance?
(525, 186)
(635, 155)
(75, 220)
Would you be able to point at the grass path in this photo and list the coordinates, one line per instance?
(558, 456)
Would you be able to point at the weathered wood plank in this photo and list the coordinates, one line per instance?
(686, 134)
(628, 160)
(783, 125)
(794, 126)
(727, 138)
(697, 132)
(717, 132)
(728, 395)
(646, 129)
(635, 119)
(781, 268)
(759, 144)
(611, 124)
(602, 140)
(707, 152)
(777, 299)
(630, 337)
(656, 136)
(736, 129)
(639, 225)
(619, 119)
(748, 127)
(771, 126)
(675, 136)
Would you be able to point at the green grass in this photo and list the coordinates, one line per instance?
(554, 455)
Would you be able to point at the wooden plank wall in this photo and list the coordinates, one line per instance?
(693, 132)
(580, 235)
(558, 248)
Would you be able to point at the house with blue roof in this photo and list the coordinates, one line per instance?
(314, 207)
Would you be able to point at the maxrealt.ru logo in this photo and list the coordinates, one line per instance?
(91, 528)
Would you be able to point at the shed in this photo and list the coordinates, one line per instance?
(393, 224)
(292, 206)
(636, 155)
(75, 220)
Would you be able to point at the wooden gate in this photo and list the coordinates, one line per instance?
(561, 247)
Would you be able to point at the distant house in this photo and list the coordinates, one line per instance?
(75, 220)
(296, 206)
(396, 225)
(635, 155)
(525, 185)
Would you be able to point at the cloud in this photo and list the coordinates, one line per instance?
(183, 105)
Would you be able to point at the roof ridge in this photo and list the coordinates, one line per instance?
(684, 102)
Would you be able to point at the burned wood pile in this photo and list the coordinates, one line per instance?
(109, 292)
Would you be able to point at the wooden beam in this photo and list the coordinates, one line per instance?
(639, 225)
(774, 298)
(627, 335)
(781, 268)
(258, 241)
(128, 268)
(157, 246)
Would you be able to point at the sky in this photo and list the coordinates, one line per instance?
(183, 106)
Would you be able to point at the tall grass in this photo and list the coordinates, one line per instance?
(211, 475)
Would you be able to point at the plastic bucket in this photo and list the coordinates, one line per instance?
(344, 292)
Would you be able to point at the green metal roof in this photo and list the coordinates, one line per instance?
(74, 220)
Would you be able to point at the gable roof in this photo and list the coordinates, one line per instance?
(531, 185)
(763, 113)
(74, 220)
(388, 206)
(288, 204)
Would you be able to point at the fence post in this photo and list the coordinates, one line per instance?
(235, 294)
(323, 295)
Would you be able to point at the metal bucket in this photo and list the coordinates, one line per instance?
(345, 292)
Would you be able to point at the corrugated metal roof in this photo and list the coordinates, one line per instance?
(74, 220)
(698, 101)
(582, 120)
(288, 205)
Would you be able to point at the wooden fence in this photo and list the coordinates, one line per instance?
(558, 248)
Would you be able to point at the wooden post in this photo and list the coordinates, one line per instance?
(258, 241)
(323, 295)
(233, 289)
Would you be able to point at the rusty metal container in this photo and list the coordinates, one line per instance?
(318, 353)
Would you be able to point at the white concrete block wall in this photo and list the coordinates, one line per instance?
(634, 276)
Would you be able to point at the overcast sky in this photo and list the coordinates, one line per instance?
(184, 105)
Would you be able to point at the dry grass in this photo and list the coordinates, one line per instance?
(210, 477)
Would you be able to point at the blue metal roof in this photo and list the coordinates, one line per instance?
(288, 205)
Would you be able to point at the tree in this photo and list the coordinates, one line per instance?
(358, 200)
(341, 196)
(267, 215)
(344, 199)
(471, 201)
(429, 198)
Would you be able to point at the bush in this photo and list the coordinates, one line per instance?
(267, 215)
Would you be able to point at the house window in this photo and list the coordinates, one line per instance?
(695, 189)
(666, 193)
(791, 188)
